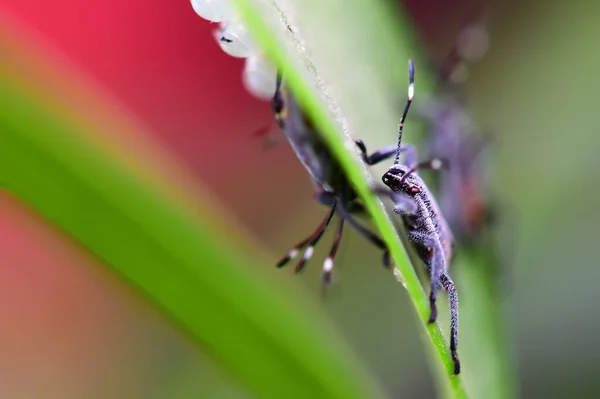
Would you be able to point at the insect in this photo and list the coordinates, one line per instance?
(462, 191)
(426, 228)
(334, 190)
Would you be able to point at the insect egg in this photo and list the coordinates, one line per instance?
(259, 77)
(213, 10)
(235, 40)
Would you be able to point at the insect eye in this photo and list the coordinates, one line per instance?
(414, 190)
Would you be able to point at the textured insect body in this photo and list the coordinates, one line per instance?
(426, 228)
(462, 191)
(308, 146)
(427, 216)
(333, 187)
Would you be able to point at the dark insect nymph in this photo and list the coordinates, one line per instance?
(426, 228)
(334, 190)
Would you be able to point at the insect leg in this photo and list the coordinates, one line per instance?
(403, 204)
(328, 264)
(277, 106)
(381, 155)
(310, 239)
(437, 267)
(278, 103)
(448, 285)
(434, 163)
(314, 239)
(435, 262)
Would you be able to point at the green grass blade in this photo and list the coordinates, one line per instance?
(275, 341)
(349, 70)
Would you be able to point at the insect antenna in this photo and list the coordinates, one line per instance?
(434, 164)
(312, 240)
(411, 92)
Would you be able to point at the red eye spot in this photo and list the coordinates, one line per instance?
(414, 190)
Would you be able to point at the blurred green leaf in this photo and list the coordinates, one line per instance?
(277, 342)
(488, 355)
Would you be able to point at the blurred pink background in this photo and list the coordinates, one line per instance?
(69, 331)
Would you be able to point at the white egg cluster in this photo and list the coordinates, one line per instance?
(258, 76)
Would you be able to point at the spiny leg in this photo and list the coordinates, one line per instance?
(403, 204)
(328, 264)
(314, 239)
(317, 233)
(377, 156)
(438, 267)
(435, 261)
(382, 155)
(448, 285)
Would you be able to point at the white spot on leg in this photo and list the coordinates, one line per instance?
(411, 91)
(436, 163)
(308, 253)
(293, 253)
(328, 265)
